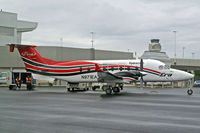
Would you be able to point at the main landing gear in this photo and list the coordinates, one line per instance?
(109, 89)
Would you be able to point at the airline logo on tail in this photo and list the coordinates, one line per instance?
(28, 54)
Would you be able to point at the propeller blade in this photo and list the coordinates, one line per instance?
(141, 64)
(141, 75)
(141, 82)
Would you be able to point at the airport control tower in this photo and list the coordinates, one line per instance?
(11, 28)
(154, 52)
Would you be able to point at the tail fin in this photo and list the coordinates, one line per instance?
(29, 54)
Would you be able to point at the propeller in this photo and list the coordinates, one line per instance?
(141, 75)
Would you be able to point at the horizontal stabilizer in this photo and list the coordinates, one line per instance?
(12, 46)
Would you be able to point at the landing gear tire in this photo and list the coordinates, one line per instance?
(68, 89)
(93, 88)
(189, 91)
(116, 89)
(108, 91)
(121, 86)
(86, 89)
(10, 87)
(104, 88)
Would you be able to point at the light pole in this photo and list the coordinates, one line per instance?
(183, 52)
(175, 44)
(92, 33)
(174, 48)
(193, 54)
(92, 49)
(61, 49)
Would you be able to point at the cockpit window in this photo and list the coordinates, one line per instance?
(161, 67)
(3, 75)
(166, 67)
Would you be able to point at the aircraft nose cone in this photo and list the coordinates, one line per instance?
(190, 76)
(187, 75)
(182, 75)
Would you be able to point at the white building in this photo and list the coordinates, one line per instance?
(11, 28)
(154, 52)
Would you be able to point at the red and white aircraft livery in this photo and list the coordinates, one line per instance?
(112, 72)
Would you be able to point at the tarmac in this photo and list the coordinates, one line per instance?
(54, 110)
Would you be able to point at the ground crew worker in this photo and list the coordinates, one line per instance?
(18, 83)
(28, 80)
(28, 83)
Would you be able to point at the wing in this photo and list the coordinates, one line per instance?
(120, 77)
(108, 77)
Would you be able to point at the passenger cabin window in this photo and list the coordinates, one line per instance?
(120, 68)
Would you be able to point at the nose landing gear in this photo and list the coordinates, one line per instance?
(189, 91)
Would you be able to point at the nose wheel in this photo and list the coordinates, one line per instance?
(189, 91)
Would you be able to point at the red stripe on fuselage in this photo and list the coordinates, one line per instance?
(63, 63)
(73, 63)
(152, 70)
(83, 68)
(58, 70)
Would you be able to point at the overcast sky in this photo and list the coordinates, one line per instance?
(118, 24)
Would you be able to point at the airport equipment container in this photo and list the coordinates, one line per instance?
(3, 78)
(11, 80)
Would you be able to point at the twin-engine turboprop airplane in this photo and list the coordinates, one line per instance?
(112, 72)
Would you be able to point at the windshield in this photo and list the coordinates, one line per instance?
(3, 74)
(164, 67)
